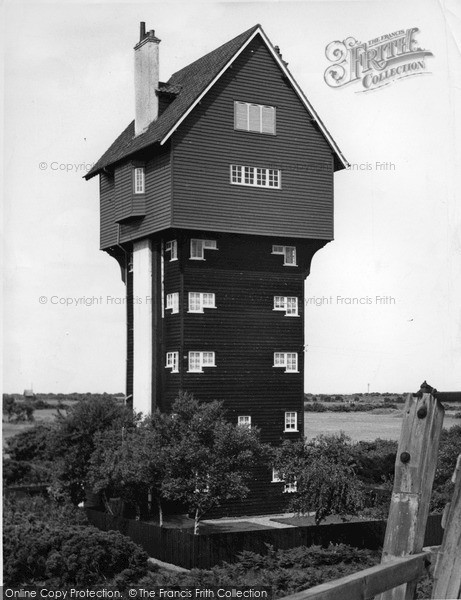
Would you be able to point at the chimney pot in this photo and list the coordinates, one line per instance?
(142, 30)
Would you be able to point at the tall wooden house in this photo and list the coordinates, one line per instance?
(214, 201)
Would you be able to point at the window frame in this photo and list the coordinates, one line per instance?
(172, 364)
(284, 305)
(240, 173)
(261, 108)
(201, 360)
(139, 169)
(289, 421)
(174, 304)
(285, 362)
(172, 247)
(201, 302)
(202, 244)
(244, 423)
(283, 251)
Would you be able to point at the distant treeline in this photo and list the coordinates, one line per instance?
(386, 398)
(74, 396)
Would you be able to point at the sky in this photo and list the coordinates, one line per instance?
(383, 298)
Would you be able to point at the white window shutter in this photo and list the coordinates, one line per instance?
(254, 118)
(268, 119)
(241, 115)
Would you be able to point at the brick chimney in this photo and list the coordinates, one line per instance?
(146, 77)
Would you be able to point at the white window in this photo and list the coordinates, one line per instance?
(290, 488)
(291, 421)
(244, 421)
(198, 360)
(197, 248)
(139, 180)
(288, 360)
(289, 304)
(172, 361)
(172, 247)
(200, 300)
(255, 176)
(276, 478)
(172, 302)
(257, 118)
(288, 253)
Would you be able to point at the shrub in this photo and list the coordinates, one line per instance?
(32, 444)
(63, 555)
(62, 551)
(284, 571)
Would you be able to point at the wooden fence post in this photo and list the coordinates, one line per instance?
(414, 474)
(447, 576)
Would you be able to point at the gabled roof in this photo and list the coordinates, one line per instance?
(189, 85)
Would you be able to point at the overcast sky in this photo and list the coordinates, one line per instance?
(69, 93)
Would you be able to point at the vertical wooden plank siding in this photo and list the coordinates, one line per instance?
(414, 474)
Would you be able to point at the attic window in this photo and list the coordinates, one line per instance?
(256, 118)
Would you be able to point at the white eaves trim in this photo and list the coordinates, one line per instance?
(290, 78)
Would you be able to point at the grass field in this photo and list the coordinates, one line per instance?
(362, 425)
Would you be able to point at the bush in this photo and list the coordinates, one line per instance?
(31, 445)
(284, 571)
(62, 551)
(315, 407)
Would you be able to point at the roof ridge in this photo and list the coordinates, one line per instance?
(243, 35)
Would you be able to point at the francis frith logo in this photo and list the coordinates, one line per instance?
(375, 63)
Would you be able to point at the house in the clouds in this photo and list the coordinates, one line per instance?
(214, 201)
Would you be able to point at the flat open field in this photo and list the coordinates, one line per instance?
(361, 425)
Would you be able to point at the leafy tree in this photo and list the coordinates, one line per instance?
(324, 472)
(73, 442)
(8, 406)
(209, 459)
(133, 463)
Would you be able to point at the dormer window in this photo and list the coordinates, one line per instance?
(197, 248)
(257, 118)
(139, 180)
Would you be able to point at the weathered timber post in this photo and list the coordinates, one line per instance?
(414, 474)
(447, 576)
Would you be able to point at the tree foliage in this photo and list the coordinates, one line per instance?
(325, 476)
(210, 460)
(73, 442)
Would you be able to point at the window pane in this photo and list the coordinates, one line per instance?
(248, 174)
(210, 244)
(208, 359)
(279, 359)
(241, 115)
(292, 361)
(279, 302)
(273, 177)
(268, 119)
(255, 118)
(139, 180)
(290, 255)
(196, 249)
(172, 247)
(278, 249)
(261, 177)
(194, 302)
(292, 306)
(208, 300)
(194, 361)
(236, 174)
